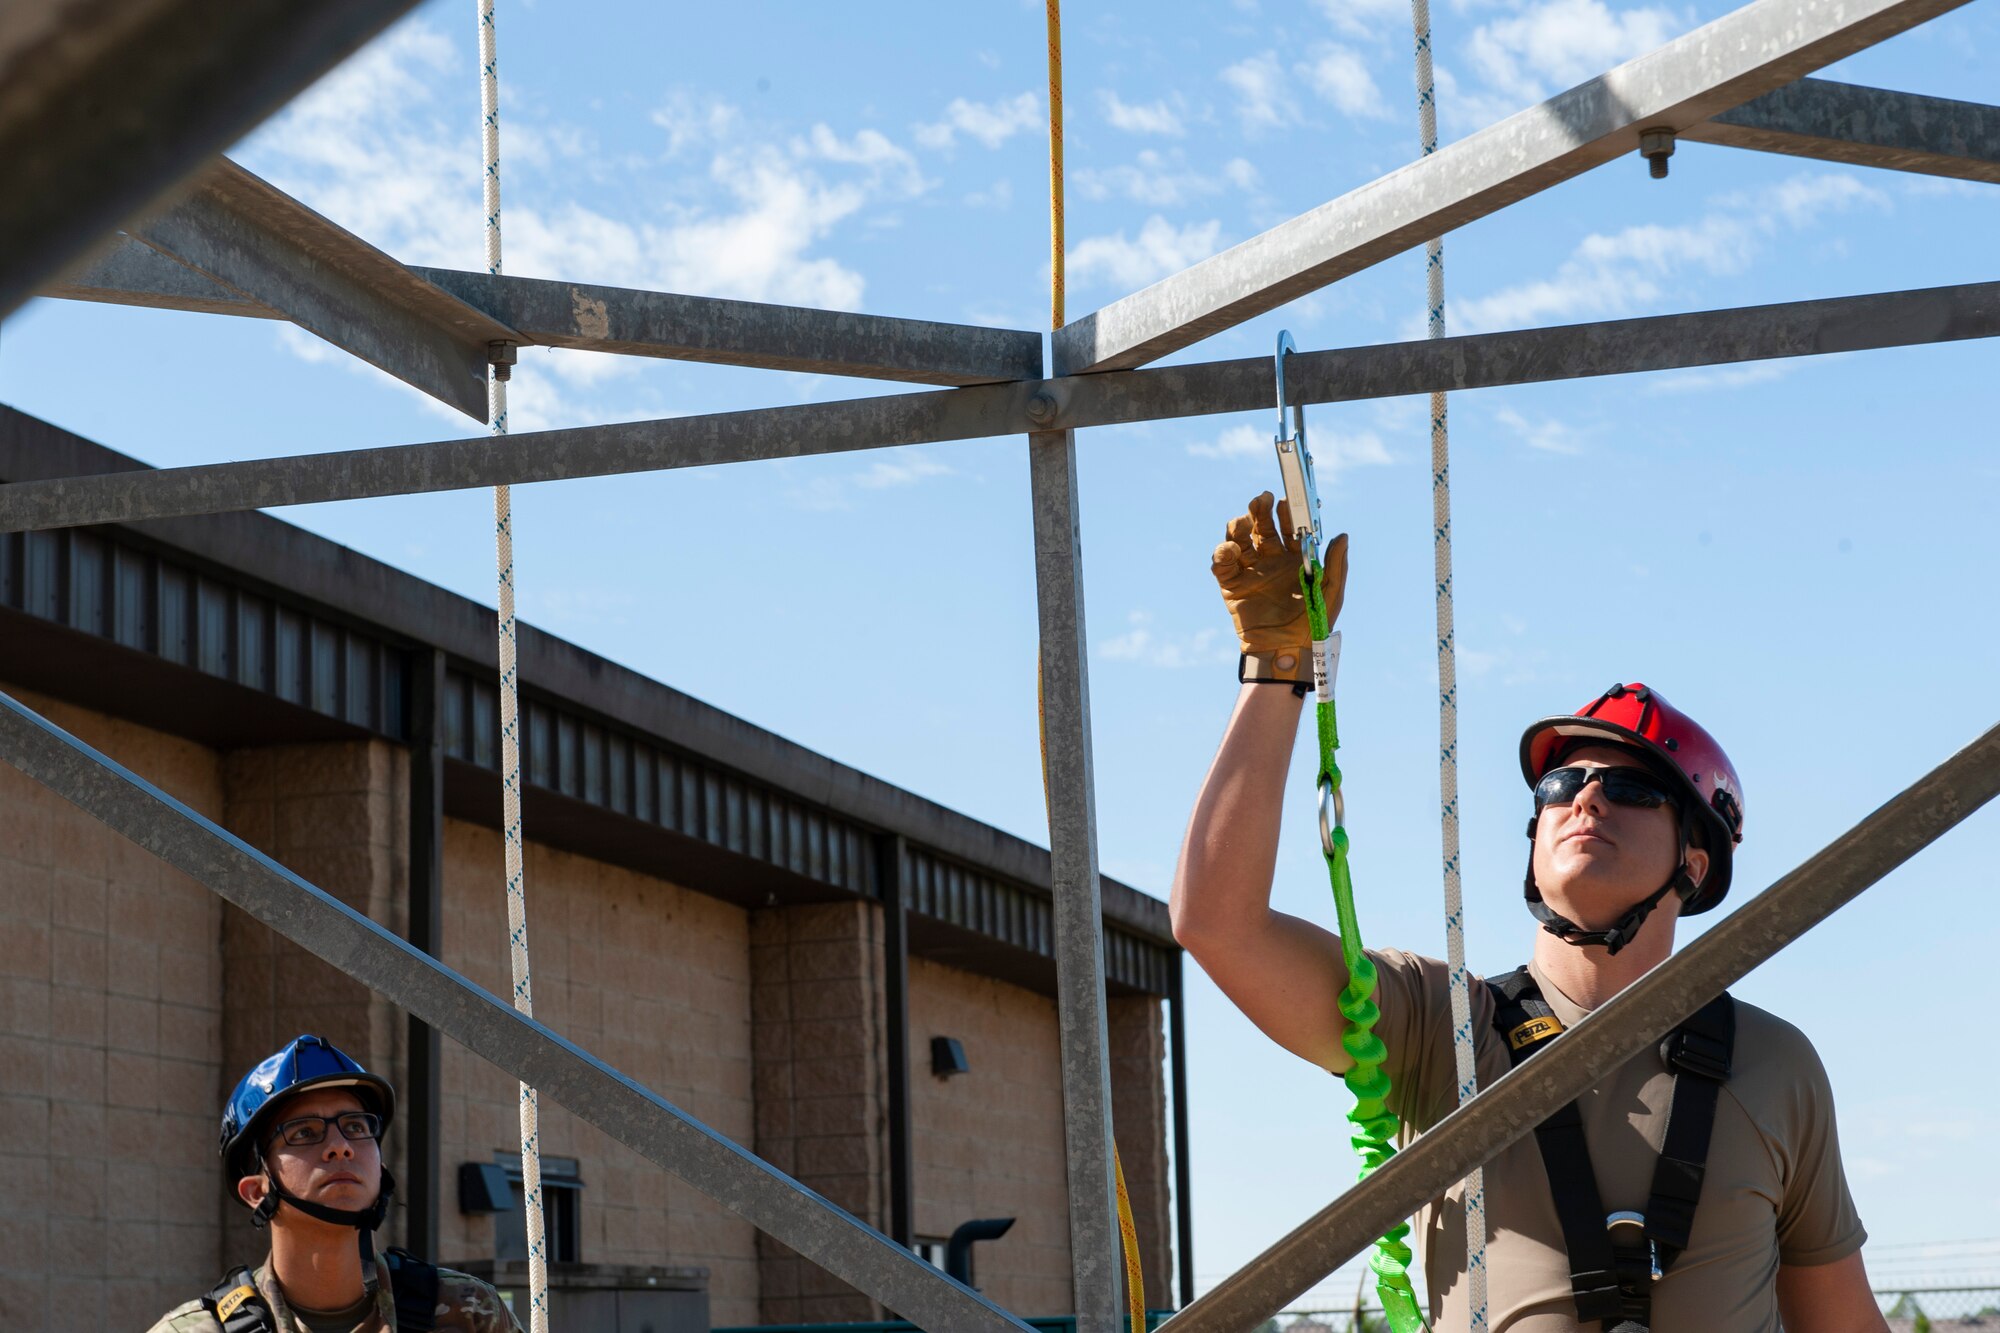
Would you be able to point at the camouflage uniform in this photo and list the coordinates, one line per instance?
(465, 1305)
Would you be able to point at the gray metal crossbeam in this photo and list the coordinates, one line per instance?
(1694, 78)
(1630, 1022)
(106, 105)
(133, 273)
(599, 1095)
(268, 247)
(1616, 347)
(1867, 127)
(292, 263)
(746, 333)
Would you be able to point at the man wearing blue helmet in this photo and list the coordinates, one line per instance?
(301, 1148)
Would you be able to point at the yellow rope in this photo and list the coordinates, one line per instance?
(1055, 167)
(1135, 1283)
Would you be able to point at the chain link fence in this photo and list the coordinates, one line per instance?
(1918, 1310)
(1941, 1309)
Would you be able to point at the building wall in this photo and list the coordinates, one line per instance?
(989, 1143)
(822, 1082)
(652, 978)
(131, 998)
(110, 1039)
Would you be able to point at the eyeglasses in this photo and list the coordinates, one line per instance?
(307, 1130)
(1622, 786)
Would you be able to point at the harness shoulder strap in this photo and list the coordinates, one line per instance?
(1699, 1052)
(415, 1284)
(1524, 1021)
(1612, 1281)
(237, 1304)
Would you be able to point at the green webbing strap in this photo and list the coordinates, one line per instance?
(1374, 1123)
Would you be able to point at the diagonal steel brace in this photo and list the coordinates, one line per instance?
(599, 1095)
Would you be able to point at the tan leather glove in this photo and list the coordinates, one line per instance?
(1258, 571)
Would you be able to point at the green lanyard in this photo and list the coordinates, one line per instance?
(1375, 1125)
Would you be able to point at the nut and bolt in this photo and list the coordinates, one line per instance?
(1042, 409)
(1656, 146)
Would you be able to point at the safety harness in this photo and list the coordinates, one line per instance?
(240, 1308)
(1615, 1258)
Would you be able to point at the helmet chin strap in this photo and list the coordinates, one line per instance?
(1620, 932)
(363, 1219)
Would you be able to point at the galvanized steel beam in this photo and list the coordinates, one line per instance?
(1866, 127)
(131, 272)
(107, 105)
(1628, 1023)
(1691, 79)
(489, 1027)
(746, 333)
(1071, 794)
(1488, 360)
(622, 320)
(267, 246)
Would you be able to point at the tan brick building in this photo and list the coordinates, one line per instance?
(767, 939)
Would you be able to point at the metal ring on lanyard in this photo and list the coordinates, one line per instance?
(1332, 814)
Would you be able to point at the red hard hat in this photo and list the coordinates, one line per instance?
(1638, 718)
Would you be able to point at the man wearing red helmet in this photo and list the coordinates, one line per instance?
(301, 1148)
(1698, 1186)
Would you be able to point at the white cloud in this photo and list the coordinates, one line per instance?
(1361, 18)
(1547, 47)
(1612, 274)
(1140, 643)
(899, 467)
(1148, 118)
(1259, 85)
(1548, 434)
(692, 120)
(887, 469)
(372, 148)
(1340, 75)
(1333, 451)
(1158, 179)
(1723, 377)
(997, 195)
(1160, 249)
(885, 162)
(991, 123)
(1241, 174)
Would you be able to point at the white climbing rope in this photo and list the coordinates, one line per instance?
(510, 705)
(1447, 647)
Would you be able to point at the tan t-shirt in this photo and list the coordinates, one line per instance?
(1774, 1192)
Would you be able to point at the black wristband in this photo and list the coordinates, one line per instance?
(1299, 687)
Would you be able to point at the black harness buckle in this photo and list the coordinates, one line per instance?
(1688, 1051)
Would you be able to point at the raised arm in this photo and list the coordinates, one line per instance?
(1285, 973)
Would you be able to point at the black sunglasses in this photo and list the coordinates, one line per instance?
(1622, 786)
(307, 1130)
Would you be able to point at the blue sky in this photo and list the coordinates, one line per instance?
(1801, 553)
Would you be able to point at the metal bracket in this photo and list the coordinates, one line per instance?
(1296, 465)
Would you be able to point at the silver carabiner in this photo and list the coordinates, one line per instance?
(1332, 814)
(1296, 466)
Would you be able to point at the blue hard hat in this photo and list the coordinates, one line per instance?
(304, 1063)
